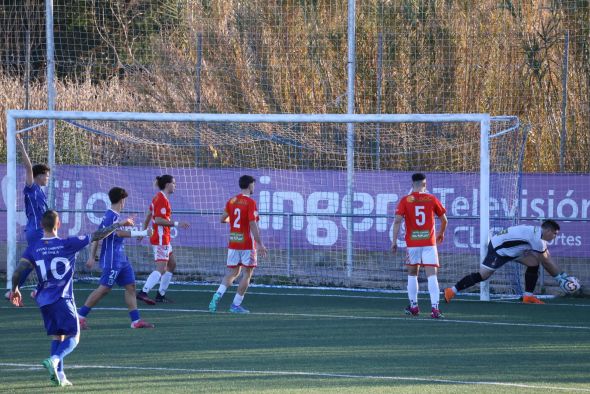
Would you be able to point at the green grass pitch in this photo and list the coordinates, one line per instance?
(304, 340)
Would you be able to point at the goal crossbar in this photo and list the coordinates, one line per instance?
(482, 119)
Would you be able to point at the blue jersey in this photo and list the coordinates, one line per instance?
(35, 206)
(112, 252)
(54, 260)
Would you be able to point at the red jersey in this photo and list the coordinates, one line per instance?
(160, 208)
(241, 210)
(418, 210)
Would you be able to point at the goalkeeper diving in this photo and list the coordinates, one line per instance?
(526, 245)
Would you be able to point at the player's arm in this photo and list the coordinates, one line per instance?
(92, 255)
(443, 226)
(147, 220)
(26, 161)
(135, 233)
(224, 217)
(15, 295)
(397, 222)
(256, 235)
(108, 230)
(170, 223)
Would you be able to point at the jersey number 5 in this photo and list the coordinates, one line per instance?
(53, 266)
(238, 213)
(420, 215)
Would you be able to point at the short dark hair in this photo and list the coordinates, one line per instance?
(116, 194)
(163, 180)
(417, 177)
(49, 220)
(551, 225)
(39, 169)
(245, 181)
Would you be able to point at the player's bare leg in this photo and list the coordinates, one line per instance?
(236, 306)
(227, 281)
(131, 301)
(90, 302)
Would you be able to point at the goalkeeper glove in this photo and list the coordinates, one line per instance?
(561, 278)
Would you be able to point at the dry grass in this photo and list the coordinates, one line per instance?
(259, 56)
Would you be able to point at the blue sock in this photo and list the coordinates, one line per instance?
(54, 345)
(65, 347)
(134, 315)
(23, 276)
(84, 311)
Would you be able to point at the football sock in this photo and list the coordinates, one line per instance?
(134, 315)
(54, 345)
(238, 300)
(151, 281)
(165, 282)
(65, 347)
(413, 290)
(434, 290)
(23, 276)
(221, 290)
(468, 281)
(530, 278)
(84, 311)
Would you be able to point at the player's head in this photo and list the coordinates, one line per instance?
(166, 183)
(118, 195)
(419, 181)
(550, 229)
(246, 183)
(50, 221)
(41, 174)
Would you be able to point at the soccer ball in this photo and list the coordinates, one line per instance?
(570, 285)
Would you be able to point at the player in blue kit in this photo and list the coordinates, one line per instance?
(114, 263)
(36, 176)
(53, 259)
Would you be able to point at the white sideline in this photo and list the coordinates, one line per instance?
(309, 374)
(349, 317)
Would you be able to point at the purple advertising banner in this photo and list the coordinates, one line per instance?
(319, 197)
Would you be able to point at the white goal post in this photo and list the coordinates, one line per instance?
(482, 121)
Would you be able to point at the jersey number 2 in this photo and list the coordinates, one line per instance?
(238, 213)
(53, 266)
(420, 215)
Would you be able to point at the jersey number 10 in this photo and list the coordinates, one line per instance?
(53, 266)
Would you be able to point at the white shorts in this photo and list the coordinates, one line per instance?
(162, 252)
(422, 255)
(235, 257)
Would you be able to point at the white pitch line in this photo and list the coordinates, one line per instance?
(312, 374)
(349, 317)
(462, 298)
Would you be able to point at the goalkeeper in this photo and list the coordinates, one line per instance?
(524, 244)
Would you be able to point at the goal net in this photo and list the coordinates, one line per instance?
(326, 220)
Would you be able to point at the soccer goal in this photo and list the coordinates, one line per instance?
(326, 192)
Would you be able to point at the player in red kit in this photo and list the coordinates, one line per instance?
(418, 210)
(160, 214)
(244, 243)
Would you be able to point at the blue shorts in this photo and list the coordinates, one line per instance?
(122, 276)
(33, 236)
(61, 317)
